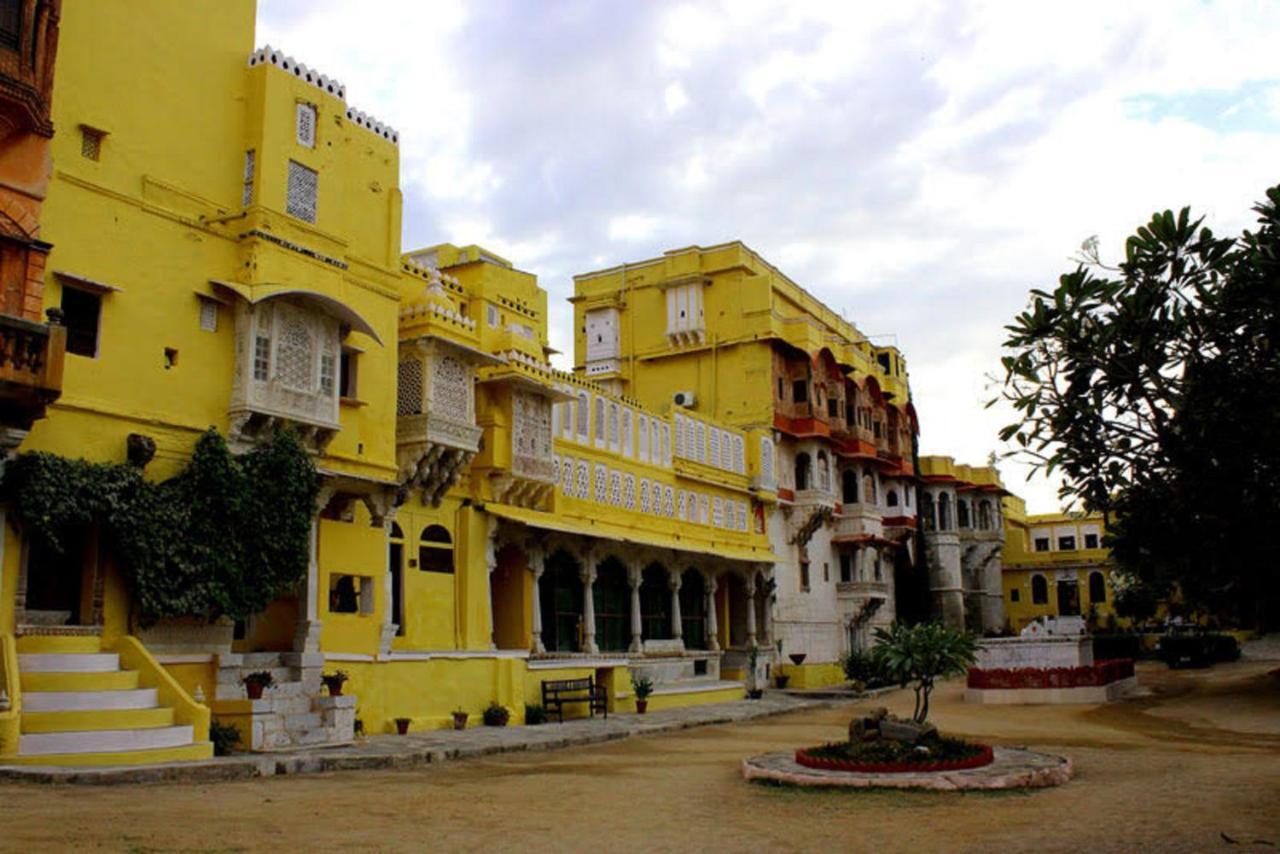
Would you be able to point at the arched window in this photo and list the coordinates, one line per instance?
(1039, 590)
(962, 514)
(802, 471)
(984, 515)
(655, 603)
(869, 487)
(891, 498)
(824, 472)
(435, 550)
(944, 512)
(1097, 587)
(849, 486)
(926, 512)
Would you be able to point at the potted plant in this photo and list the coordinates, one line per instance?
(257, 682)
(460, 718)
(781, 679)
(642, 688)
(334, 681)
(496, 714)
(402, 725)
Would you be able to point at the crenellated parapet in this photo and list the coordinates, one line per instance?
(270, 56)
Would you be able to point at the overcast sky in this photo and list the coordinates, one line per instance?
(918, 167)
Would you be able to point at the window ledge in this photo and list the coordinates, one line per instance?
(352, 401)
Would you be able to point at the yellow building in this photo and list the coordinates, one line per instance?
(226, 232)
(1055, 565)
(818, 419)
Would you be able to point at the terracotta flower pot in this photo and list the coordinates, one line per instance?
(335, 688)
(460, 720)
(402, 725)
(641, 706)
(254, 690)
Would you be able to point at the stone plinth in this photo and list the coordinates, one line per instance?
(1045, 652)
(1013, 768)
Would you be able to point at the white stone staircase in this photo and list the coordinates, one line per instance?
(292, 713)
(79, 707)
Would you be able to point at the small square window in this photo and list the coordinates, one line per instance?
(306, 125)
(1042, 544)
(91, 143)
(81, 313)
(261, 358)
(208, 315)
(300, 199)
(799, 391)
(1090, 541)
(327, 374)
(1015, 595)
(250, 167)
(348, 374)
(1066, 544)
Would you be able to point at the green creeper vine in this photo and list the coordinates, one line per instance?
(224, 537)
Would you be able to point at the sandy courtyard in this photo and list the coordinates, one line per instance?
(1176, 771)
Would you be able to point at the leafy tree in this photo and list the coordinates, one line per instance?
(919, 655)
(1154, 388)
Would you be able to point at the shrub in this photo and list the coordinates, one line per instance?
(1197, 650)
(224, 738)
(534, 714)
(496, 715)
(860, 666)
(642, 687)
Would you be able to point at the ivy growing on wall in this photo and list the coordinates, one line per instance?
(224, 537)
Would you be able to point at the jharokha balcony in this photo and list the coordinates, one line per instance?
(31, 356)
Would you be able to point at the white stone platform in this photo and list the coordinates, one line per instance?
(1013, 768)
(1039, 696)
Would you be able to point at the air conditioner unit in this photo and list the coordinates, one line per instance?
(682, 398)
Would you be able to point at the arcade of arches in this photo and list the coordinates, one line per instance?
(562, 595)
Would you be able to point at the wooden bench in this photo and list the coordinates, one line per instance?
(557, 692)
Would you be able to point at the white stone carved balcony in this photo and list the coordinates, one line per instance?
(288, 353)
(532, 477)
(436, 431)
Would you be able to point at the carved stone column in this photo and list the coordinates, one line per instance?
(751, 611)
(635, 575)
(713, 631)
(677, 625)
(537, 565)
(382, 513)
(491, 563)
(588, 603)
(306, 637)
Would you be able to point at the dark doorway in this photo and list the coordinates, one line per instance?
(1068, 599)
(561, 595)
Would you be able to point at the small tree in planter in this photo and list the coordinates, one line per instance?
(920, 655)
(334, 682)
(642, 688)
(754, 687)
(257, 682)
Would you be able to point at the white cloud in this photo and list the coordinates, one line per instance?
(919, 166)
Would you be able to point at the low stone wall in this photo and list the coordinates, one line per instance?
(1016, 653)
(1042, 696)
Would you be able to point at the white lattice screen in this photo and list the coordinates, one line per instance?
(300, 200)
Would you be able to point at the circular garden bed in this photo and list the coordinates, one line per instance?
(896, 757)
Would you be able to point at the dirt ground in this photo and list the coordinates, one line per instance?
(1185, 769)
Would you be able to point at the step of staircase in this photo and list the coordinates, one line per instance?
(94, 719)
(68, 701)
(68, 662)
(59, 644)
(103, 741)
(117, 680)
(194, 752)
